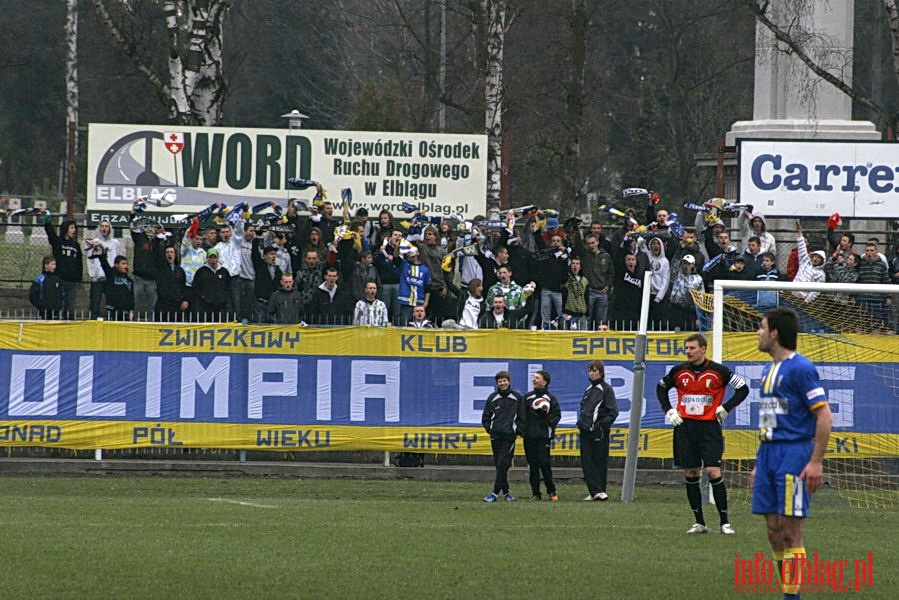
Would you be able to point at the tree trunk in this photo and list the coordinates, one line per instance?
(574, 100)
(71, 101)
(194, 89)
(496, 32)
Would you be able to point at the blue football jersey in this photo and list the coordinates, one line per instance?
(790, 393)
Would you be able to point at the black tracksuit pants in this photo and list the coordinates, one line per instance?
(595, 461)
(537, 452)
(503, 451)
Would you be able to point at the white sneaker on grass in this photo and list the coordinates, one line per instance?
(698, 528)
(727, 529)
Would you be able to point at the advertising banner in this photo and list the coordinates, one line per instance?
(818, 178)
(117, 385)
(441, 173)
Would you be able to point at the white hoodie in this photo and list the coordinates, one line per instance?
(113, 248)
(661, 271)
(807, 271)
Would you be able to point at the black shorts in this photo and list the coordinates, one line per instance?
(698, 443)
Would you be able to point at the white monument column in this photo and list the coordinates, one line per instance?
(791, 102)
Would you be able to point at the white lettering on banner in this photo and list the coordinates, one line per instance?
(214, 377)
(323, 390)
(751, 374)
(470, 392)
(622, 381)
(20, 366)
(362, 391)
(85, 405)
(153, 391)
(258, 388)
(841, 400)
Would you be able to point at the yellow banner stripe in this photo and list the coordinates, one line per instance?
(654, 443)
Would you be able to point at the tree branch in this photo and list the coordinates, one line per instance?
(794, 48)
(130, 51)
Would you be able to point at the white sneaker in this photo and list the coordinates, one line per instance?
(601, 496)
(728, 529)
(697, 528)
(589, 498)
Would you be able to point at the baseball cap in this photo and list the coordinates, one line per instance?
(212, 252)
(740, 258)
(552, 223)
(689, 258)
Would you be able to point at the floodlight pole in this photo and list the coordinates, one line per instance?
(633, 431)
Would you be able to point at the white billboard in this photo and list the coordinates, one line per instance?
(816, 178)
(441, 173)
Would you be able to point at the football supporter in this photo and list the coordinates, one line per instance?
(370, 310)
(795, 423)
(697, 419)
(68, 255)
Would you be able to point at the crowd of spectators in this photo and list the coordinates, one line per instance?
(526, 270)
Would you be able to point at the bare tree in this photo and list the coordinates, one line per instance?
(71, 100)
(493, 98)
(193, 86)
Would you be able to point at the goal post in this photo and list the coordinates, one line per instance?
(848, 331)
(633, 432)
(722, 286)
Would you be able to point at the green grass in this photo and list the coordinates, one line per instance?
(96, 537)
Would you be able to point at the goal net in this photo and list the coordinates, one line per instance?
(848, 332)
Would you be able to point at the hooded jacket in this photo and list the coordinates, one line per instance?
(66, 251)
(807, 271)
(768, 243)
(113, 248)
(658, 264)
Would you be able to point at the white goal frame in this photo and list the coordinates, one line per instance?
(724, 285)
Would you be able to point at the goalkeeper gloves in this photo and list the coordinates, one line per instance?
(675, 417)
(721, 414)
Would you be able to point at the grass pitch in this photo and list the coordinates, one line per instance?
(197, 538)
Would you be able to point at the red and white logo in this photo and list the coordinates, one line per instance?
(174, 142)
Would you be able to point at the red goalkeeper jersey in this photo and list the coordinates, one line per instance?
(700, 389)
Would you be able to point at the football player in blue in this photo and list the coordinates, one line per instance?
(795, 423)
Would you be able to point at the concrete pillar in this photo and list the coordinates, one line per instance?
(791, 102)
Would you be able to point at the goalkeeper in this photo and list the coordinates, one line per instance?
(697, 419)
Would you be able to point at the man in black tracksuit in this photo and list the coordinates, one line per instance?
(538, 428)
(500, 420)
(598, 411)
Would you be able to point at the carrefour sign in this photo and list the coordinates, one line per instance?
(813, 178)
(442, 173)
